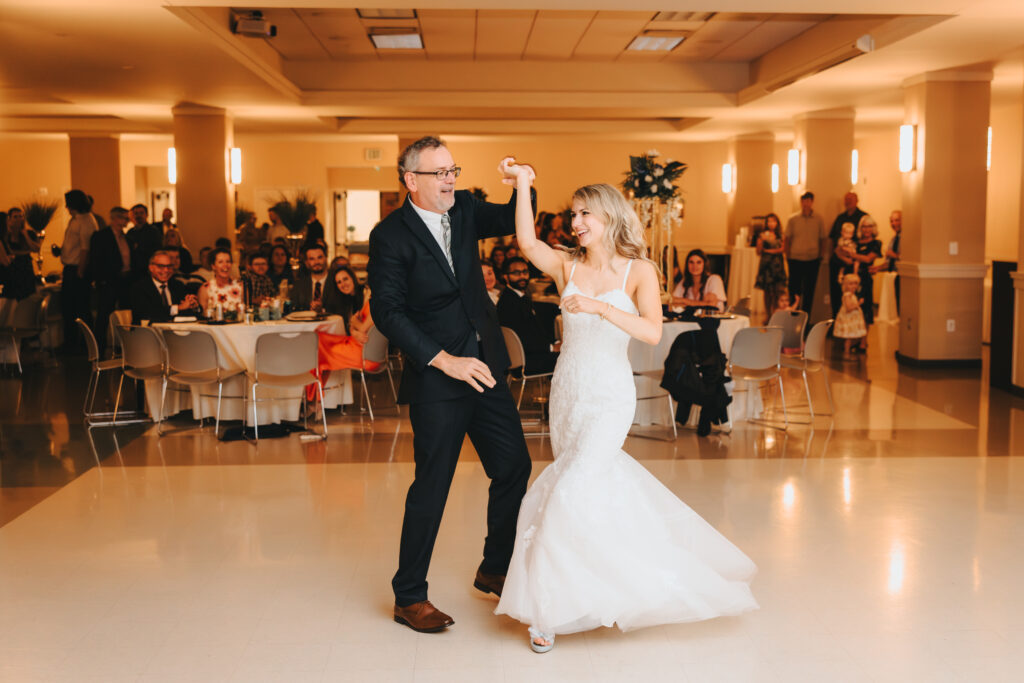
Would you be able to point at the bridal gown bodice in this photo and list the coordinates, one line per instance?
(600, 541)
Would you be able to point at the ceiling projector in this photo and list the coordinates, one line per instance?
(253, 25)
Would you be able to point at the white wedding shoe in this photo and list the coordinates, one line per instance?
(536, 635)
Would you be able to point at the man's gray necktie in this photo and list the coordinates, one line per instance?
(446, 235)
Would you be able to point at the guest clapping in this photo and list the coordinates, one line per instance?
(222, 290)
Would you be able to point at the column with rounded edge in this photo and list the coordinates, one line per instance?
(203, 137)
(96, 169)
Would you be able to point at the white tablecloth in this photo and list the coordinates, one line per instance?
(237, 347)
(647, 358)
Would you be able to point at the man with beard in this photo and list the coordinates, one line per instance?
(309, 288)
(517, 311)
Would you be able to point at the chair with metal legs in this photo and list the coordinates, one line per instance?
(375, 350)
(813, 360)
(792, 324)
(517, 362)
(193, 361)
(25, 324)
(98, 368)
(755, 358)
(286, 360)
(144, 359)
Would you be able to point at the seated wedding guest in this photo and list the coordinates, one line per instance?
(498, 258)
(308, 292)
(203, 270)
(145, 239)
(158, 298)
(699, 286)
(340, 262)
(490, 280)
(258, 285)
(280, 266)
(174, 242)
(22, 244)
(222, 289)
(110, 268)
(516, 311)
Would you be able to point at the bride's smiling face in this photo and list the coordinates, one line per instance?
(588, 226)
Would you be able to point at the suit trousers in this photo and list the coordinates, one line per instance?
(75, 293)
(108, 297)
(803, 279)
(491, 421)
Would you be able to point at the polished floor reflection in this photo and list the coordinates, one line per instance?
(888, 540)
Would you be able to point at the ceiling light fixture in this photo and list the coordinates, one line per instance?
(656, 41)
(390, 40)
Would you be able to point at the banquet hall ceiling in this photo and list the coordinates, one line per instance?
(119, 66)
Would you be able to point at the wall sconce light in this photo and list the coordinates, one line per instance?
(908, 147)
(775, 178)
(236, 165)
(728, 178)
(793, 167)
(854, 167)
(988, 154)
(172, 166)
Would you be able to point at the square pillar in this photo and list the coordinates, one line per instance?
(752, 156)
(205, 197)
(96, 169)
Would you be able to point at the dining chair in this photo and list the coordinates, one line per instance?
(286, 360)
(813, 360)
(25, 323)
(792, 324)
(144, 359)
(517, 362)
(375, 350)
(118, 321)
(99, 366)
(194, 361)
(755, 358)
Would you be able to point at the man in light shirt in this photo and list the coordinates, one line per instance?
(74, 254)
(806, 242)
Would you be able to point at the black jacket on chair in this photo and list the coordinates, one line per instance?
(517, 313)
(147, 304)
(423, 308)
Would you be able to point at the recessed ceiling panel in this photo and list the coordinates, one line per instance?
(448, 33)
(502, 34)
(555, 34)
(609, 34)
(340, 32)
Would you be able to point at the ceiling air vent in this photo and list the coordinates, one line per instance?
(683, 16)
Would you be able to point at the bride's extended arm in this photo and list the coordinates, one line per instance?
(536, 252)
(647, 325)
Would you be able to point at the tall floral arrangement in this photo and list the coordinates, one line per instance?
(649, 179)
(296, 212)
(39, 213)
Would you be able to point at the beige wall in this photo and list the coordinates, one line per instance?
(1002, 221)
(880, 184)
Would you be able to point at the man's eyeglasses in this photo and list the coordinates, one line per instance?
(519, 272)
(443, 173)
(163, 265)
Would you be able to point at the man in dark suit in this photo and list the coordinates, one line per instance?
(516, 311)
(159, 298)
(109, 267)
(145, 240)
(429, 299)
(309, 287)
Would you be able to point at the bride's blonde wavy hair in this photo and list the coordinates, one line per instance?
(623, 232)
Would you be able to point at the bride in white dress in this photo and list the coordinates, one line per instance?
(600, 541)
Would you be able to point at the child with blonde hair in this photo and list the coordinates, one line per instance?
(849, 325)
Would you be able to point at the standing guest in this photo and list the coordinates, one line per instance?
(868, 250)
(490, 281)
(167, 220)
(22, 245)
(429, 300)
(158, 298)
(851, 214)
(516, 311)
(892, 252)
(174, 242)
(110, 268)
(250, 237)
(145, 240)
(222, 289)
(5, 257)
(258, 285)
(74, 254)
(277, 229)
(280, 266)
(699, 286)
(511, 251)
(307, 295)
(498, 257)
(805, 242)
(314, 229)
(850, 325)
(204, 270)
(771, 272)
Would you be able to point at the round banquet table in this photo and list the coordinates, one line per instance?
(236, 344)
(648, 363)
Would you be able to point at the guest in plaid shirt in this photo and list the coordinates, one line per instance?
(258, 285)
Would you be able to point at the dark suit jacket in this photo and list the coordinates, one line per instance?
(301, 292)
(148, 305)
(105, 263)
(144, 240)
(422, 308)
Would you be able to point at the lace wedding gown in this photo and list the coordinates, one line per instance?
(600, 541)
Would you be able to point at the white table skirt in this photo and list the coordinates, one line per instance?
(237, 347)
(646, 358)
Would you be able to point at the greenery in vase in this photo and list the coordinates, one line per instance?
(296, 212)
(648, 179)
(38, 214)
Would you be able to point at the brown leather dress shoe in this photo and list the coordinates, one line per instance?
(489, 583)
(423, 617)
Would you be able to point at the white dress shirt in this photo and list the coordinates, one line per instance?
(433, 223)
(167, 296)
